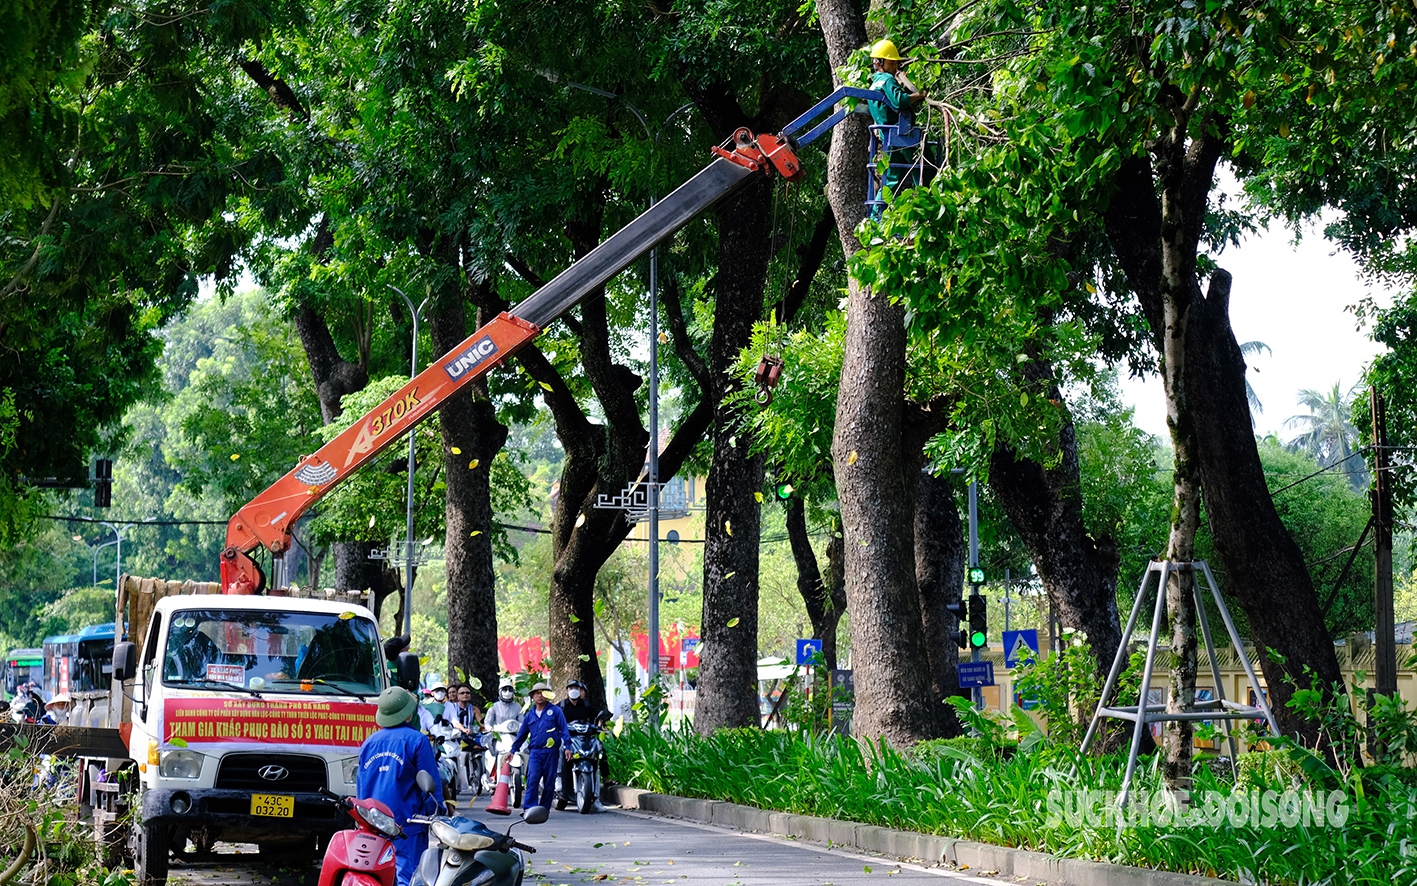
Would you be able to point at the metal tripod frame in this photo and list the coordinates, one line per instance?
(1143, 714)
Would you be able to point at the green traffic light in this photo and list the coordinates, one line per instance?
(784, 491)
(978, 640)
(976, 575)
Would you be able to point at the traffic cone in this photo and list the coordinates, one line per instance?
(498, 804)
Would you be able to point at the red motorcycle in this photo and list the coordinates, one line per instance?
(363, 855)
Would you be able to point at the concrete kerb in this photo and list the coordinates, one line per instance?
(978, 858)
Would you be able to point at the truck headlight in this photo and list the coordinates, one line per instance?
(180, 764)
(349, 769)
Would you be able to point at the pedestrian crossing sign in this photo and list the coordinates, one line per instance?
(1020, 646)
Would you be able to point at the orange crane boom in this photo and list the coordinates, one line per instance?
(267, 519)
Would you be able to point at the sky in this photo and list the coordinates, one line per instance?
(1294, 298)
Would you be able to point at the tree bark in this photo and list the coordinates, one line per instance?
(469, 426)
(1264, 566)
(1155, 239)
(728, 669)
(939, 572)
(869, 455)
(1078, 572)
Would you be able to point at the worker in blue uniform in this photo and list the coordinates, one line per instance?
(897, 113)
(544, 731)
(389, 762)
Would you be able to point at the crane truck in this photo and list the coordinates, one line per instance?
(232, 705)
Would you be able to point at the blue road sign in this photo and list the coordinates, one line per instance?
(1020, 646)
(976, 673)
(806, 649)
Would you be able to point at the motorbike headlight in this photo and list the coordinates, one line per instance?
(180, 764)
(380, 821)
(349, 769)
(452, 838)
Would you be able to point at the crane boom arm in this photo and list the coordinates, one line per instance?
(267, 520)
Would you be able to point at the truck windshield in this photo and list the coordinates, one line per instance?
(336, 654)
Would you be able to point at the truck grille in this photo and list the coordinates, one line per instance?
(244, 772)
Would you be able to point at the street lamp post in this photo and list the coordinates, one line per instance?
(653, 380)
(118, 560)
(408, 540)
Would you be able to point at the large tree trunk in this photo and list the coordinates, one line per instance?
(472, 437)
(1264, 566)
(1044, 505)
(728, 669)
(1155, 239)
(939, 572)
(869, 457)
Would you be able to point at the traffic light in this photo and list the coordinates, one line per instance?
(102, 482)
(978, 623)
(976, 575)
(957, 633)
(784, 491)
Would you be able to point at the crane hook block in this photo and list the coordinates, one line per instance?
(766, 377)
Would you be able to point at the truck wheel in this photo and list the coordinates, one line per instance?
(150, 861)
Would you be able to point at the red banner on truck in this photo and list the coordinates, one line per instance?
(249, 720)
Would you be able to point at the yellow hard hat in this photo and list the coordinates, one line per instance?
(886, 49)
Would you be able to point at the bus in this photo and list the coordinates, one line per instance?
(79, 662)
(23, 666)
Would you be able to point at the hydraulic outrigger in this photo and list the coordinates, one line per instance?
(266, 520)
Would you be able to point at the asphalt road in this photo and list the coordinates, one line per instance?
(630, 849)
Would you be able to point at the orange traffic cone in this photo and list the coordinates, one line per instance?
(498, 804)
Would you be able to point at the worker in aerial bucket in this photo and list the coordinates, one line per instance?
(895, 120)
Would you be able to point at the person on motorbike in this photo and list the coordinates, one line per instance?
(461, 712)
(544, 731)
(578, 709)
(389, 762)
(504, 708)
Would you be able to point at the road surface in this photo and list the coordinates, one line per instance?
(621, 848)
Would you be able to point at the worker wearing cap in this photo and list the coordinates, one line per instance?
(544, 731)
(899, 102)
(389, 762)
(577, 709)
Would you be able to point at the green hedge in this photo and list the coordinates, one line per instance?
(965, 789)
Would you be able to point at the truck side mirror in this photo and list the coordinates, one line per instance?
(408, 673)
(125, 661)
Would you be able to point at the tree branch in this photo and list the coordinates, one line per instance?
(280, 92)
(683, 344)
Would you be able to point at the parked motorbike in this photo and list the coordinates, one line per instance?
(463, 851)
(363, 855)
(498, 742)
(586, 753)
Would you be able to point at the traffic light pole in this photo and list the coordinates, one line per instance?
(974, 653)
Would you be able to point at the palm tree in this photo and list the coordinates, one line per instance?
(1247, 349)
(1327, 432)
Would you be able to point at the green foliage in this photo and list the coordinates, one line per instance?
(961, 788)
(77, 608)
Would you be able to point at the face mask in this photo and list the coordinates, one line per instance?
(573, 693)
(439, 695)
(506, 695)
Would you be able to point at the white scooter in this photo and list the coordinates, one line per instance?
(498, 741)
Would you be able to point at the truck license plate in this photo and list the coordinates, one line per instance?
(273, 805)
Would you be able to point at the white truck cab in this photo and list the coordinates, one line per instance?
(241, 711)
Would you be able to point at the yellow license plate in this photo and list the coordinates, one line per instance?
(273, 805)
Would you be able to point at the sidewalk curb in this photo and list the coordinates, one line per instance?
(976, 858)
